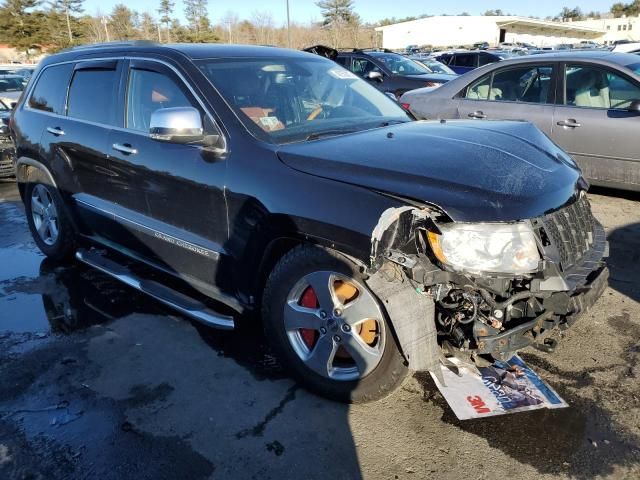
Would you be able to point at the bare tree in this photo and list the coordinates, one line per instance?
(264, 27)
(230, 22)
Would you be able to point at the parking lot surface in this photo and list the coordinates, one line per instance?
(97, 381)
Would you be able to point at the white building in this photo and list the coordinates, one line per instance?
(615, 29)
(445, 31)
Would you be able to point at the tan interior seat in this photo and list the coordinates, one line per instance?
(482, 92)
(594, 91)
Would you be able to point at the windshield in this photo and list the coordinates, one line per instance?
(11, 84)
(284, 100)
(399, 65)
(435, 66)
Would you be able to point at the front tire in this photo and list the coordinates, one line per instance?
(329, 329)
(48, 221)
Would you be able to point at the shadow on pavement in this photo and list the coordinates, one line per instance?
(581, 441)
(122, 388)
(624, 260)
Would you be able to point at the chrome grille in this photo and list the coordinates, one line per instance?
(571, 231)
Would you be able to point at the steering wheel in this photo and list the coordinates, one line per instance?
(313, 115)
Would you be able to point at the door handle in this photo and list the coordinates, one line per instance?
(124, 148)
(57, 131)
(571, 123)
(477, 114)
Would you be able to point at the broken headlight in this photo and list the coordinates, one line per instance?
(486, 247)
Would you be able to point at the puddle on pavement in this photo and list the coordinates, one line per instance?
(38, 295)
(51, 297)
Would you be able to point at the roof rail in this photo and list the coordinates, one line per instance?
(118, 43)
(365, 50)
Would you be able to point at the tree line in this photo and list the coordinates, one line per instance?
(58, 24)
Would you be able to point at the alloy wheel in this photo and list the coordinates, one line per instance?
(335, 325)
(45, 215)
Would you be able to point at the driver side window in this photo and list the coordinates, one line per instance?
(362, 66)
(147, 92)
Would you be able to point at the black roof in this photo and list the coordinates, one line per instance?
(193, 51)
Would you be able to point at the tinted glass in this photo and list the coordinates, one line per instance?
(464, 60)
(598, 88)
(342, 60)
(484, 59)
(12, 83)
(437, 67)
(296, 99)
(51, 89)
(147, 92)
(525, 84)
(400, 65)
(91, 95)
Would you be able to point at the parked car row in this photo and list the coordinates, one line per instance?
(586, 102)
(13, 79)
(7, 151)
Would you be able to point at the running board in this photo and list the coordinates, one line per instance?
(172, 298)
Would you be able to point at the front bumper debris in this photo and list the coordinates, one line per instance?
(537, 330)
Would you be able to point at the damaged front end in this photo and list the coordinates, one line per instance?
(482, 291)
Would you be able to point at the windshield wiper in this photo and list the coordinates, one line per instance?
(328, 133)
(386, 123)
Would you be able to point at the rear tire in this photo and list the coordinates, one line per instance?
(377, 354)
(48, 221)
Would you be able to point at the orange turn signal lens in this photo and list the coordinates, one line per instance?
(434, 241)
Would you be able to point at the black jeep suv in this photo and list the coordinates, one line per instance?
(225, 180)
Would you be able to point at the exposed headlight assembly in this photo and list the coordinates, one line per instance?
(486, 247)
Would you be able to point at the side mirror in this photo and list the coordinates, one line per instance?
(634, 106)
(377, 76)
(176, 125)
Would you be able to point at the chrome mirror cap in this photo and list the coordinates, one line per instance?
(177, 125)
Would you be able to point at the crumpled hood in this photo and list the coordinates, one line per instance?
(473, 170)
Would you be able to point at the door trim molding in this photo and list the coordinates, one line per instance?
(152, 227)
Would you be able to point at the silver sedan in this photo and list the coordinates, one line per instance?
(587, 102)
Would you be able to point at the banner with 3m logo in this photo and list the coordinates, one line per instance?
(503, 387)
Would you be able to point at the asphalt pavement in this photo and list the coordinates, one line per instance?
(100, 382)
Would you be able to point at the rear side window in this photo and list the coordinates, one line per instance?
(465, 60)
(484, 59)
(50, 91)
(529, 84)
(342, 61)
(91, 95)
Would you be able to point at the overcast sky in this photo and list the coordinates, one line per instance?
(369, 10)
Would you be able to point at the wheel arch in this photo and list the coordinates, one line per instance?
(30, 170)
(279, 246)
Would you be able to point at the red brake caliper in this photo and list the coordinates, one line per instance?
(309, 300)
